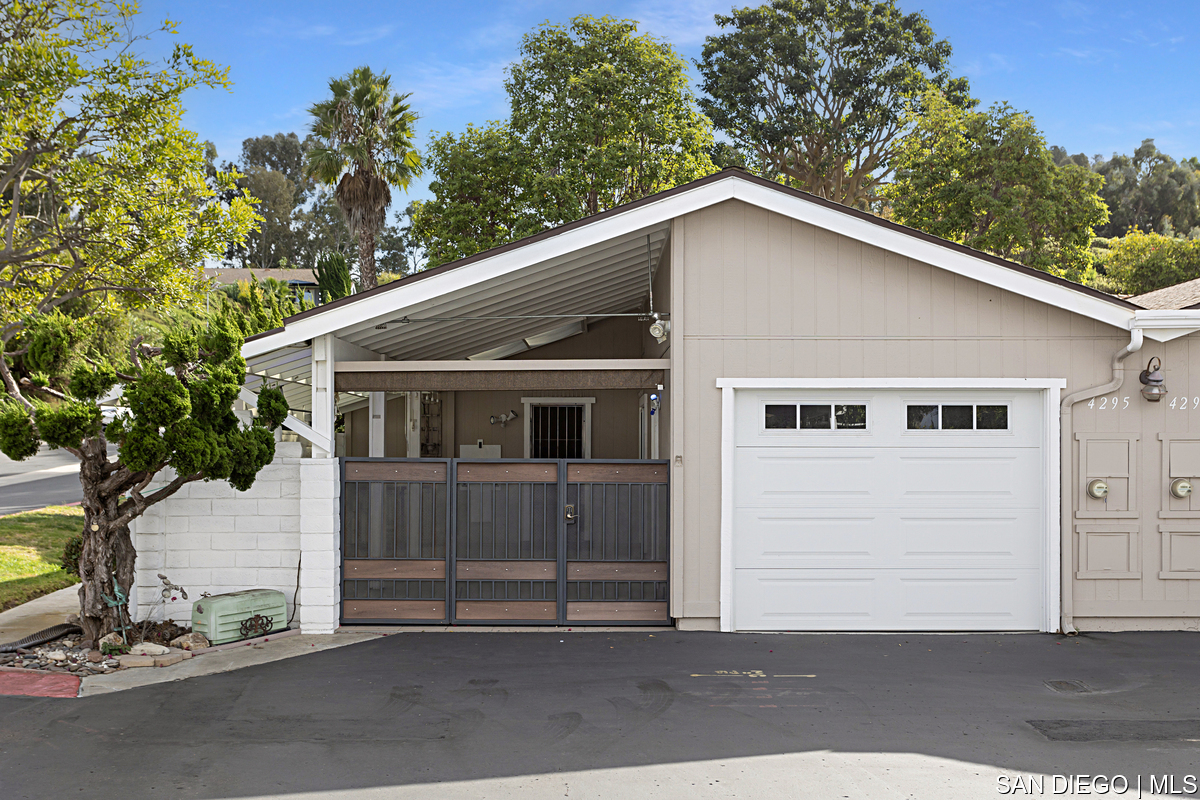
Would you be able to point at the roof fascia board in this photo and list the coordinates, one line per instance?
(1163, 325)
(933, 254)
(522, 365)
(498, 266)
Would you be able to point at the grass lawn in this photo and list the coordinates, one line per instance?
(31, 547)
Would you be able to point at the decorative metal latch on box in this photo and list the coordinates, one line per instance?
(224, 618)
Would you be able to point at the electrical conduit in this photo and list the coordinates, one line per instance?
(1066, 495)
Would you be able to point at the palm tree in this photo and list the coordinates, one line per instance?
(366, 134)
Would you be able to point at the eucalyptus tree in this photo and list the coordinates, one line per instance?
(364, 145)
(817, 93)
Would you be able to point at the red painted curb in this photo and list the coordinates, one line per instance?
(30, 683)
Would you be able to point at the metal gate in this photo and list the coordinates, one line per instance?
(525, 541)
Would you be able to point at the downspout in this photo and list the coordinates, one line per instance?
(1066, 496)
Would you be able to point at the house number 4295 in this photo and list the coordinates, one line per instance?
(1108, 403)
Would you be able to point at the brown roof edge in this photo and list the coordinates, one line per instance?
(262, 334)
(716, 176)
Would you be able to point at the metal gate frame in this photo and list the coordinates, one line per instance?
(451, 558)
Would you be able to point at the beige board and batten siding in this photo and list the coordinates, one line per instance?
(757, 294)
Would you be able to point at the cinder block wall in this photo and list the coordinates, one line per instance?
(280, 534)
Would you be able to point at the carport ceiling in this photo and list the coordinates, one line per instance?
(607, 278)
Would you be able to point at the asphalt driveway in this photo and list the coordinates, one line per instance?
(631, 714)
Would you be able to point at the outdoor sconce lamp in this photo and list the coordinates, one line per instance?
(660, 328)
(1153, 388)
(503, 419)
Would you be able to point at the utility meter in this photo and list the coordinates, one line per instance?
(1181, 487)
(1097, 489)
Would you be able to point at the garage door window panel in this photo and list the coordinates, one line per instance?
(957, 417)
(780, 417)
(814, 416)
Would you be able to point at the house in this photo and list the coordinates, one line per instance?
(302, 281)
(732, 406)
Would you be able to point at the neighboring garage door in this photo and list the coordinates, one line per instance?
(888, 510)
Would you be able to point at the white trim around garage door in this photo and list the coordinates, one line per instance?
(1050, 389)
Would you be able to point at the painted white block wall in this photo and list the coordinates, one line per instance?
(280, 534)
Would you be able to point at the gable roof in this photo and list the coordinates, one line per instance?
(1180, 296)
(638, 218)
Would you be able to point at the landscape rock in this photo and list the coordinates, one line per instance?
(114, 639)
(95, 656)
(136, 661)
(72, 619)
(57, 655)
(168, 659)
(191, 641)
(148, 649)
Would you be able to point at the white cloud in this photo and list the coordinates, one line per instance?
(367, 35)
(444, 85)
(684, 23)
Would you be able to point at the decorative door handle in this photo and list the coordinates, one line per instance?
(570, 513)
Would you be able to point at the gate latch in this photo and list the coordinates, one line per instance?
(570, 512)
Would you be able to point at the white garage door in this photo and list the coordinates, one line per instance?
(888, 510)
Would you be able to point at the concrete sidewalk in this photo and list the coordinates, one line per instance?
(39, 614)
(217, 662)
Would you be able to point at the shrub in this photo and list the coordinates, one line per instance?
(1142, 262)
(72, 551)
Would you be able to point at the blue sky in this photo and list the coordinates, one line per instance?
(1098, 77)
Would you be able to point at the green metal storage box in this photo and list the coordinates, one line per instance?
(240, 615)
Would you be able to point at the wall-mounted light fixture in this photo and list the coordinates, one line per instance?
(503, 419)
(660, 328)
(1152, 380)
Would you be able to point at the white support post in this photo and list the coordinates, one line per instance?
(377, 410)
(412, 426)
(324, 398)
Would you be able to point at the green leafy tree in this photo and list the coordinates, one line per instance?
(1150, 191)
(365, 135)
(986, 179)
(107, 202)
(606, 115)
(816, 92)
(333, 277)
(283, 153)
(601, 116)
(272, 244)
(400, 253)
(1141, 262)
(482, 187)
(320, 228)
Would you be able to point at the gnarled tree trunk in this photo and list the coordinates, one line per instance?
(108, 555)
(111, 500)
